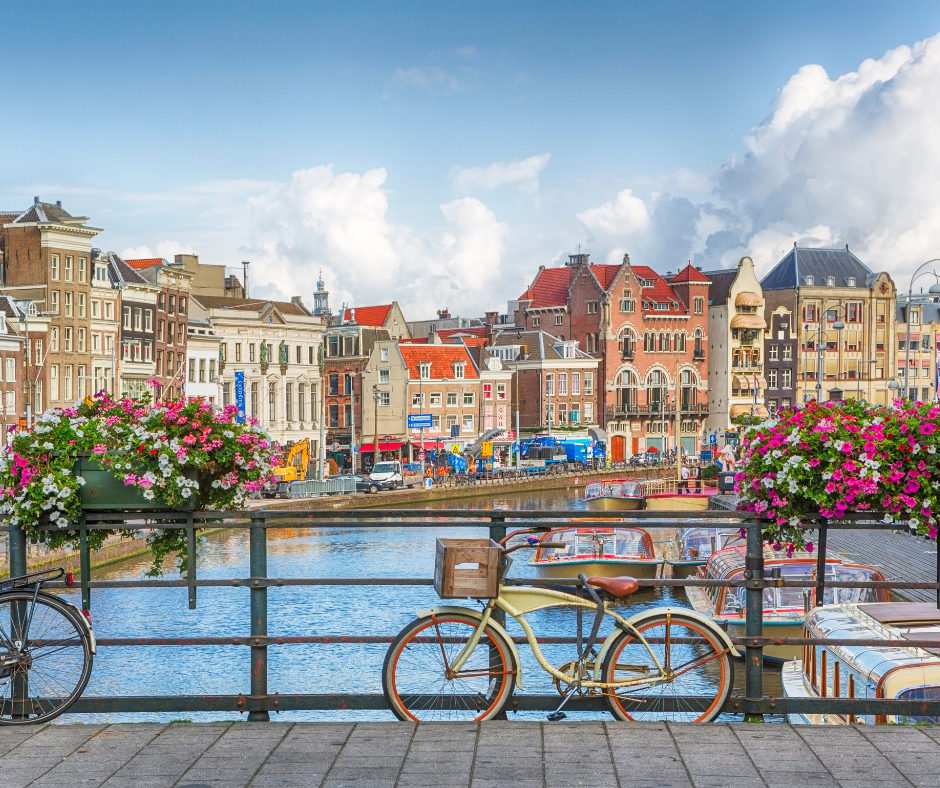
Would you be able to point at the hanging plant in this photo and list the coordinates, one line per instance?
(177, 455)
(828, 459)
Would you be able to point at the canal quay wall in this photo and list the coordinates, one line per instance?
(119, 548)
(468, 755)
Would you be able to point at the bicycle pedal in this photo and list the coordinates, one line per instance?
(556, 716)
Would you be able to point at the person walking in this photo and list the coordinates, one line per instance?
(697, 475)
(684, 484)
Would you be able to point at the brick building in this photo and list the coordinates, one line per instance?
(46, 260)
(553, 381)
(649, 335)
(11, 366)
(781, 354)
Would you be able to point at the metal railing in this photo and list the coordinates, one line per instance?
(311, 487)
(259, 701)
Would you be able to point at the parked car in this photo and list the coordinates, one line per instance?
(363, 483)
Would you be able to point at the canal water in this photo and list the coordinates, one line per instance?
(312, 610)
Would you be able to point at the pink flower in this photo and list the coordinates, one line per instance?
(927, 428)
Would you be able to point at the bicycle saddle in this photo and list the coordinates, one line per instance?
(615, 586)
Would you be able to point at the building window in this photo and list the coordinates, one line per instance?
(385, 376)
(138, 315)
(435, 423)
(500, 391)
(11, 370)
(238, 351)
(333, 382)
(181, 336)
(172, 309)
(592, 307)
(10, 399)
(627, 304)
(251, 352)
(54, 339)
(468, 423)
(772, 351)
(810, 280)
(588, 383)
(272, 394)
(301, 400)
(458, 370)
(468, 398)
(699, 305)
(562, 413)
(68, 275)
(536, 322)
(68, 303)
(487, 391)
(226, 395)
(451, 421)
(253, 401)
(161, 302)
(562, 384)
(787, 379)
(37, 347)
(67, 336)
(772, 378)
(830, 281)
(182, 309)
(310, 355)
(435, 399)
(159, 364)
(127, 317)
(81, 305)
(148, 320)
(54, 382)
(424, 370)
(212, 376)
(101, 273)
(192, 370)
(550, 383)
(385, 398)
(96, 343)
(452, 399)
(416, 399)
(289, 402)
(95, 309)
(81, 340)
(332, 415)
(299, 355)
(67, 382)
(787, 352)
(109, 310)
(559, 319)
(383, 354)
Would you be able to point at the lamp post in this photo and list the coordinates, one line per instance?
(893, 385)
(375, 429)
(934, 290)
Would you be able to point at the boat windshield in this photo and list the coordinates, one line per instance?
(702, 542)
(613, 490)
(792, 598)
(619, 543)
(920, 693)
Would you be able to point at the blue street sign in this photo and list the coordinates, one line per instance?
(421, 421)
(240, 394)
(712, 438)
(454, 430)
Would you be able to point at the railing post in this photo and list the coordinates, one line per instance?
(497, 532)
(84, 564)
(191, 560)
(17, 547)
(754, 621)
(258, 565)
(821, 563)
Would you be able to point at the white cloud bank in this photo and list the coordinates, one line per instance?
(854, 159)
(338, 222)
(524, 175)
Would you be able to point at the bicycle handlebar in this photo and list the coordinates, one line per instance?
(559, 545)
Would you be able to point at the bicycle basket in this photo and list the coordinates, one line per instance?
(466, 568)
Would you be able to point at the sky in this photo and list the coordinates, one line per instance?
(438, 153)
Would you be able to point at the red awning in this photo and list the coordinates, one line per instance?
(444, 443)
(382, 446)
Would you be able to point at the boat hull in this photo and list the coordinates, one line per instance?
(615, 504)
(597, 568)
(775, 628)
(685, 569)
(692, 502)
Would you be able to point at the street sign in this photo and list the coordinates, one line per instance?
(420, 421)
(455, 449)
(420, 456)
(240, 395)
(713, 438)
(454, 430)
(487, 449)
(334, 446)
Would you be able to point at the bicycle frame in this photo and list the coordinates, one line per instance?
(516, 601)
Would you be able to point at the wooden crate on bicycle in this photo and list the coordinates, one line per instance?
(466, 568)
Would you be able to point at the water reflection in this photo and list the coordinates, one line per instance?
(307, 610)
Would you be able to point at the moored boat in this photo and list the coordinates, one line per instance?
(867, 671)
(783, 606)
(691, 548)
(597, 550)
(664, 495)
(614, 495)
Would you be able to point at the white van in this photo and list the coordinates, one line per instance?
(393, 475)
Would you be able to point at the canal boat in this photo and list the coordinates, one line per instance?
(691, 548)
(597, 550)
(664, 495)
(867, 671)
(783, 607)
(614, 495)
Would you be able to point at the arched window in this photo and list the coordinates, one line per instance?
(663, 343)
(626, 387)
(678, 342)
(626, 342)
(688, 385)
(699, 340)
(656, 384)
(649, 342)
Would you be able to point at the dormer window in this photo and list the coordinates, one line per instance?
(424, 370)
(850, 281)
(647, 282)
(458, 370)
(830, 281)
(810, 280)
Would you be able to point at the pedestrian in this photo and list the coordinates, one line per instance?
(684, 484)
(697, 475)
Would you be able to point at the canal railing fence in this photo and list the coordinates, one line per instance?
(259, 700)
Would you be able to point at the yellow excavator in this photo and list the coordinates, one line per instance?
(293, 468)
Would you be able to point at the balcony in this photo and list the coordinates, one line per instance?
(628, 354)
(746, 368)
(698, 355)
(655, 409)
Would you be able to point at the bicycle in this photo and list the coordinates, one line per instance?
(47, 647)
(459, 664)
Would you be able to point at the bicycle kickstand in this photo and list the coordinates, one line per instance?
(558, 715)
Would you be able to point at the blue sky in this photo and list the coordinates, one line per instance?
(185, 125)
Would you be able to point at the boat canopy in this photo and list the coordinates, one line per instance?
(610, 542)
(729, 560)
(614, 489)
(695, 543)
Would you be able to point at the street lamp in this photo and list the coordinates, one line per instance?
(934, 290)
(893, 385)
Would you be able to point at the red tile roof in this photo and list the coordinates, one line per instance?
(369, 315)
(660, 293)
(146, 262)
(442, 358)
(472, 331)
(550, 288)
(605, 274)
(690, 274)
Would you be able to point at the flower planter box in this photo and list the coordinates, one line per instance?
(103, 491)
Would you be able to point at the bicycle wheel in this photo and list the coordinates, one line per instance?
(697, 679)
(415, 678)
(41, 680)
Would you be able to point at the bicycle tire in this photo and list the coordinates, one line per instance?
(707, 671)
(59, 659)
(414, 679)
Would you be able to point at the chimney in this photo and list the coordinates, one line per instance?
(434, 338)
(491, 318)
(352, 316)
(58, 204)
(444, 314)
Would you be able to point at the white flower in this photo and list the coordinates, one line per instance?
(776, 453)
(48, 446)
(185, 492)
(827, 476)
(887, 519)
(914, 521)
(794, 521)
(148, 494)
(62, 522)
(931, 449)
(80, 480)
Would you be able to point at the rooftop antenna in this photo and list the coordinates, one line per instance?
(245, 264)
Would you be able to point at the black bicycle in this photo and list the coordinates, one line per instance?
(46, 650)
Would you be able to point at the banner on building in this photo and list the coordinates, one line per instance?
(240, 394)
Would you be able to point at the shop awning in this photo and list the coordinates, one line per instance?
(743, 381)
(444, 443)
(747, 410)
(748, 321)
(747, 298)
(394, 446)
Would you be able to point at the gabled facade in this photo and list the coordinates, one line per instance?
(918, 353)
(780, 354)
(823, 287)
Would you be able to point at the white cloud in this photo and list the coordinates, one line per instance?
(428, 78)
(624, 215)
(165, 249)
(466, 52)
(524, 175)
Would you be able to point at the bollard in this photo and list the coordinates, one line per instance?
(754, 622)
(258, 569)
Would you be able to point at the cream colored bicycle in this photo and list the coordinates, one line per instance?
(456, 663)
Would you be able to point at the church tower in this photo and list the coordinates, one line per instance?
(321, 299)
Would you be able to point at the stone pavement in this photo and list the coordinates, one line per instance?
(524, 754)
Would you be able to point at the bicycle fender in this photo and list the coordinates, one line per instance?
(88, 629)
(466, 611)
(656, 612)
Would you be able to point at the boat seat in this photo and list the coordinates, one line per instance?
(615, 586)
